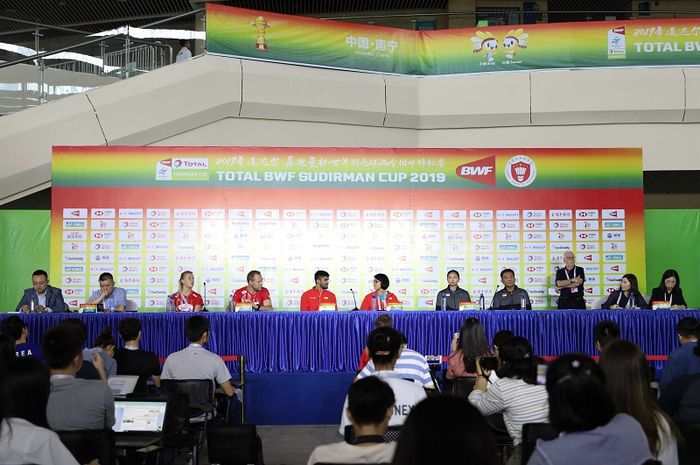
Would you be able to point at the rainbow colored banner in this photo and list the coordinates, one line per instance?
(146, 214)
(292, 39)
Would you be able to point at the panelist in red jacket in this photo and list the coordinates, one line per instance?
(380, 299)
(318, 297)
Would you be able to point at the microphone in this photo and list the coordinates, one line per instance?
(204, 301)
(353, 299)
(493, 299)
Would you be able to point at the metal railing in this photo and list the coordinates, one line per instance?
(130, 57)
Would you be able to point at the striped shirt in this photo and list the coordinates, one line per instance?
(520, 403)
(410, 365)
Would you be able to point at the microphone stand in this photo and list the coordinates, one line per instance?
(204, 303)
(354, 300)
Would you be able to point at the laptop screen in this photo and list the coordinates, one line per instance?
(139, 416)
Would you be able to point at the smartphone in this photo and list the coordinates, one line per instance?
(542, 373)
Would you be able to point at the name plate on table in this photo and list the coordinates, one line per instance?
(326, 307)
(660, 305)
(394, 306)
(468, 306)
(87, 308)
(243, 307)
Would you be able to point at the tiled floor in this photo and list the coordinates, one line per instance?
(292, 445)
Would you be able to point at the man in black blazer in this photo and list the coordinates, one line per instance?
(44, 297)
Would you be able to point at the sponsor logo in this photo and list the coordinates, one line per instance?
(130, 213)
(482, 171)
(74, 224)
(481, 215)
(75, 212)
(587, 214)
(535, 214)
(521, 171)
(73, 269)
(614, 257)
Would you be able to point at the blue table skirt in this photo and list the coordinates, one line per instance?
(294, 342)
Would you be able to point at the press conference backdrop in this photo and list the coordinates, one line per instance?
(146, 214)
(671, 238)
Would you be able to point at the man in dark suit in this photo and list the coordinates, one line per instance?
(41, 296)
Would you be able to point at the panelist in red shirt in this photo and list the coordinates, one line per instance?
(318, 297)
(185, 299)
(380, 299)
(254, 293)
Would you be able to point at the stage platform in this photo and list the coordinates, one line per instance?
(299, 364)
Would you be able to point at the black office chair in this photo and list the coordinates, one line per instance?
(391, 435)
(531, 433)
(689, 446)
(87, 445)
(200, 409)
(462, 386)
(234, 444)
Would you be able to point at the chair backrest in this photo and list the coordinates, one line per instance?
(87, 445)
(531, 433)
(199, 391)
(463, 385)
(689, 447)
(391, 435)
(233, 444)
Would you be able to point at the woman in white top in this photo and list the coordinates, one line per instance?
(627, 382)
(515, 393)
(25, 436)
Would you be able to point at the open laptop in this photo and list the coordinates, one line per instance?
(139, 423)
(121, 385)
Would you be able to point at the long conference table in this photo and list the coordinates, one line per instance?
(324, 342)
(299, 365)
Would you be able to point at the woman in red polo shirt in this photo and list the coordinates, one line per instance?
(185, 299)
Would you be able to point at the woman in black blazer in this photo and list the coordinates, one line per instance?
(627, 296)
(669, 290)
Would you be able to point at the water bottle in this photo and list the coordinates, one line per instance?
(170, 304)
(374, 303)
(443, 303)
(31, 306)
(482, 302)
(522, 302)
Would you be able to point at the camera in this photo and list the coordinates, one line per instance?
(488, 363)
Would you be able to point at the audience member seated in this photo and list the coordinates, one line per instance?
(445, 430)
(370, 406)
(384, 345)
(41, 297)
(196, 362)
(25, 436)
(467, 345)
(627, 296)
(682, 360)
(627, 382)
(605, 332)
(383, 321)
(104, 346)
(515, 393)
(74, 404)
(680, 383)
(89, 369)
(581, 409)
(410, 365)
(14, 326)
(500, 337)
(669, 291)
(131, 360)
(7, 347)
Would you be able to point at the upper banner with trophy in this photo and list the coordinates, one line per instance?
(269, 36)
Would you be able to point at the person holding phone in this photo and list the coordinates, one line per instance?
(467, 345)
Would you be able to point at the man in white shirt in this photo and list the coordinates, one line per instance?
(384, 345)
(195, 362)
(411, 365)
(370, 407)
(184, 54)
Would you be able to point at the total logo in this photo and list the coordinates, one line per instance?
(482, 171)
(521, 171)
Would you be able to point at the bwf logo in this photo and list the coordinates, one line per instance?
(482, 171)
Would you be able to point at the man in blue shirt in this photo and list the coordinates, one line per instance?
(682, 361)
(41, 297)
(113, 298)
(14, 327)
